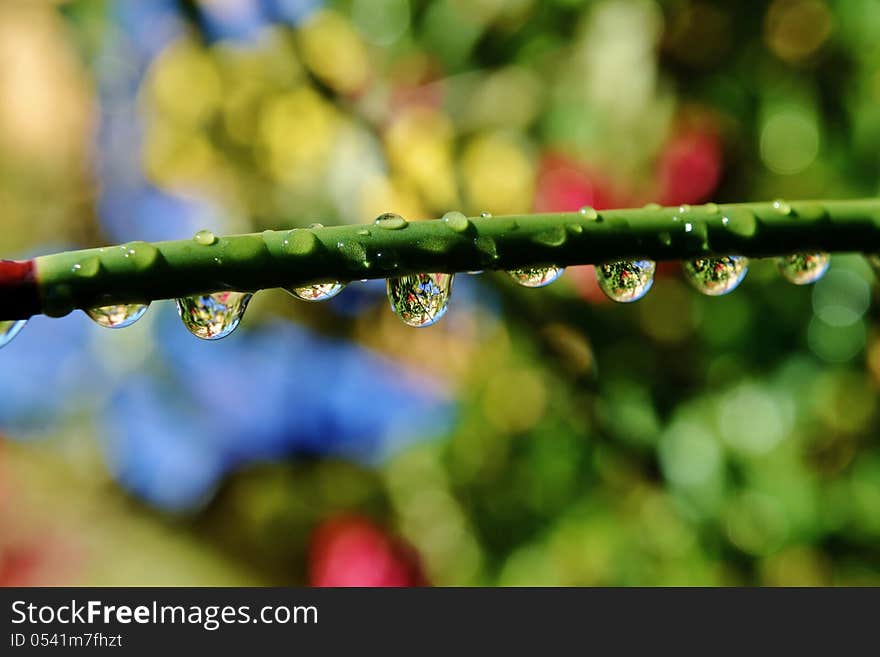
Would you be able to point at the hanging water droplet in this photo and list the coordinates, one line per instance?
(874, 261)
(486, 215)
(803, 268)
(781, 207)
(205, 238)
(456, 221)
(716, 276)
(390, 221)
(119, 316)
(10, 329)
(536, 276)
(627, 280)
(588, 213)
(317, 292)
(420, 299)
(213, 316)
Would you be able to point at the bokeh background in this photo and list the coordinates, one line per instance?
(533, 437)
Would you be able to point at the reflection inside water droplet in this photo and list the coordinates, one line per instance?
(10, 329)
(213, 316)
(420, 299)
(627, 280)
(317, 292)
(119, 316)
(803, 268)
(716, 276)
(536, 276)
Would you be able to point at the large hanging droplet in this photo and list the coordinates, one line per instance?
(9, 329)
(716, 276)
(627, 280)
(803, 268)
(536, 276)
(318, 292)
(213, 316)
(117, 317)
(420, 299)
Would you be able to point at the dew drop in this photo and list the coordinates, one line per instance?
(390, 221)
(574, 229)
(140, 254)
(589, 213)
(364, 232)
(213, 316)
(118, 316)
(205, 238)
(664, 238)
(536, 276)
(555, 236)
(317, 292)
(717, 275)
(487, 248)
(420, 299)
(741, 221)
(627, 280)
(781, 207)
(683, 209)
(486, 215)
(652, 206)
(456, 221)
(299, 242)
(354, 253)
(803, 268)
(711, 208)
(10, 329)
(87, 268)
(874, 261)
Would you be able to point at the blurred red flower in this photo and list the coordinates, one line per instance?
(352, 551)
(689, 167)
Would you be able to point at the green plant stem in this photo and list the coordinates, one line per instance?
(140, 272)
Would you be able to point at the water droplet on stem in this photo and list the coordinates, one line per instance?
(118, 316)
(803, 268)
(316, 292)
(205, 238)
(716, 276)
(420, 299)
(213, 316)
(536, 276)
(390, 221)
(626, 281)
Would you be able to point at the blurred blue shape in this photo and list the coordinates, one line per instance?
(234, 20)
(158, 448)
(358, 297)
(47, 373)
(292, 12)
(270, 392)
(149, 25)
